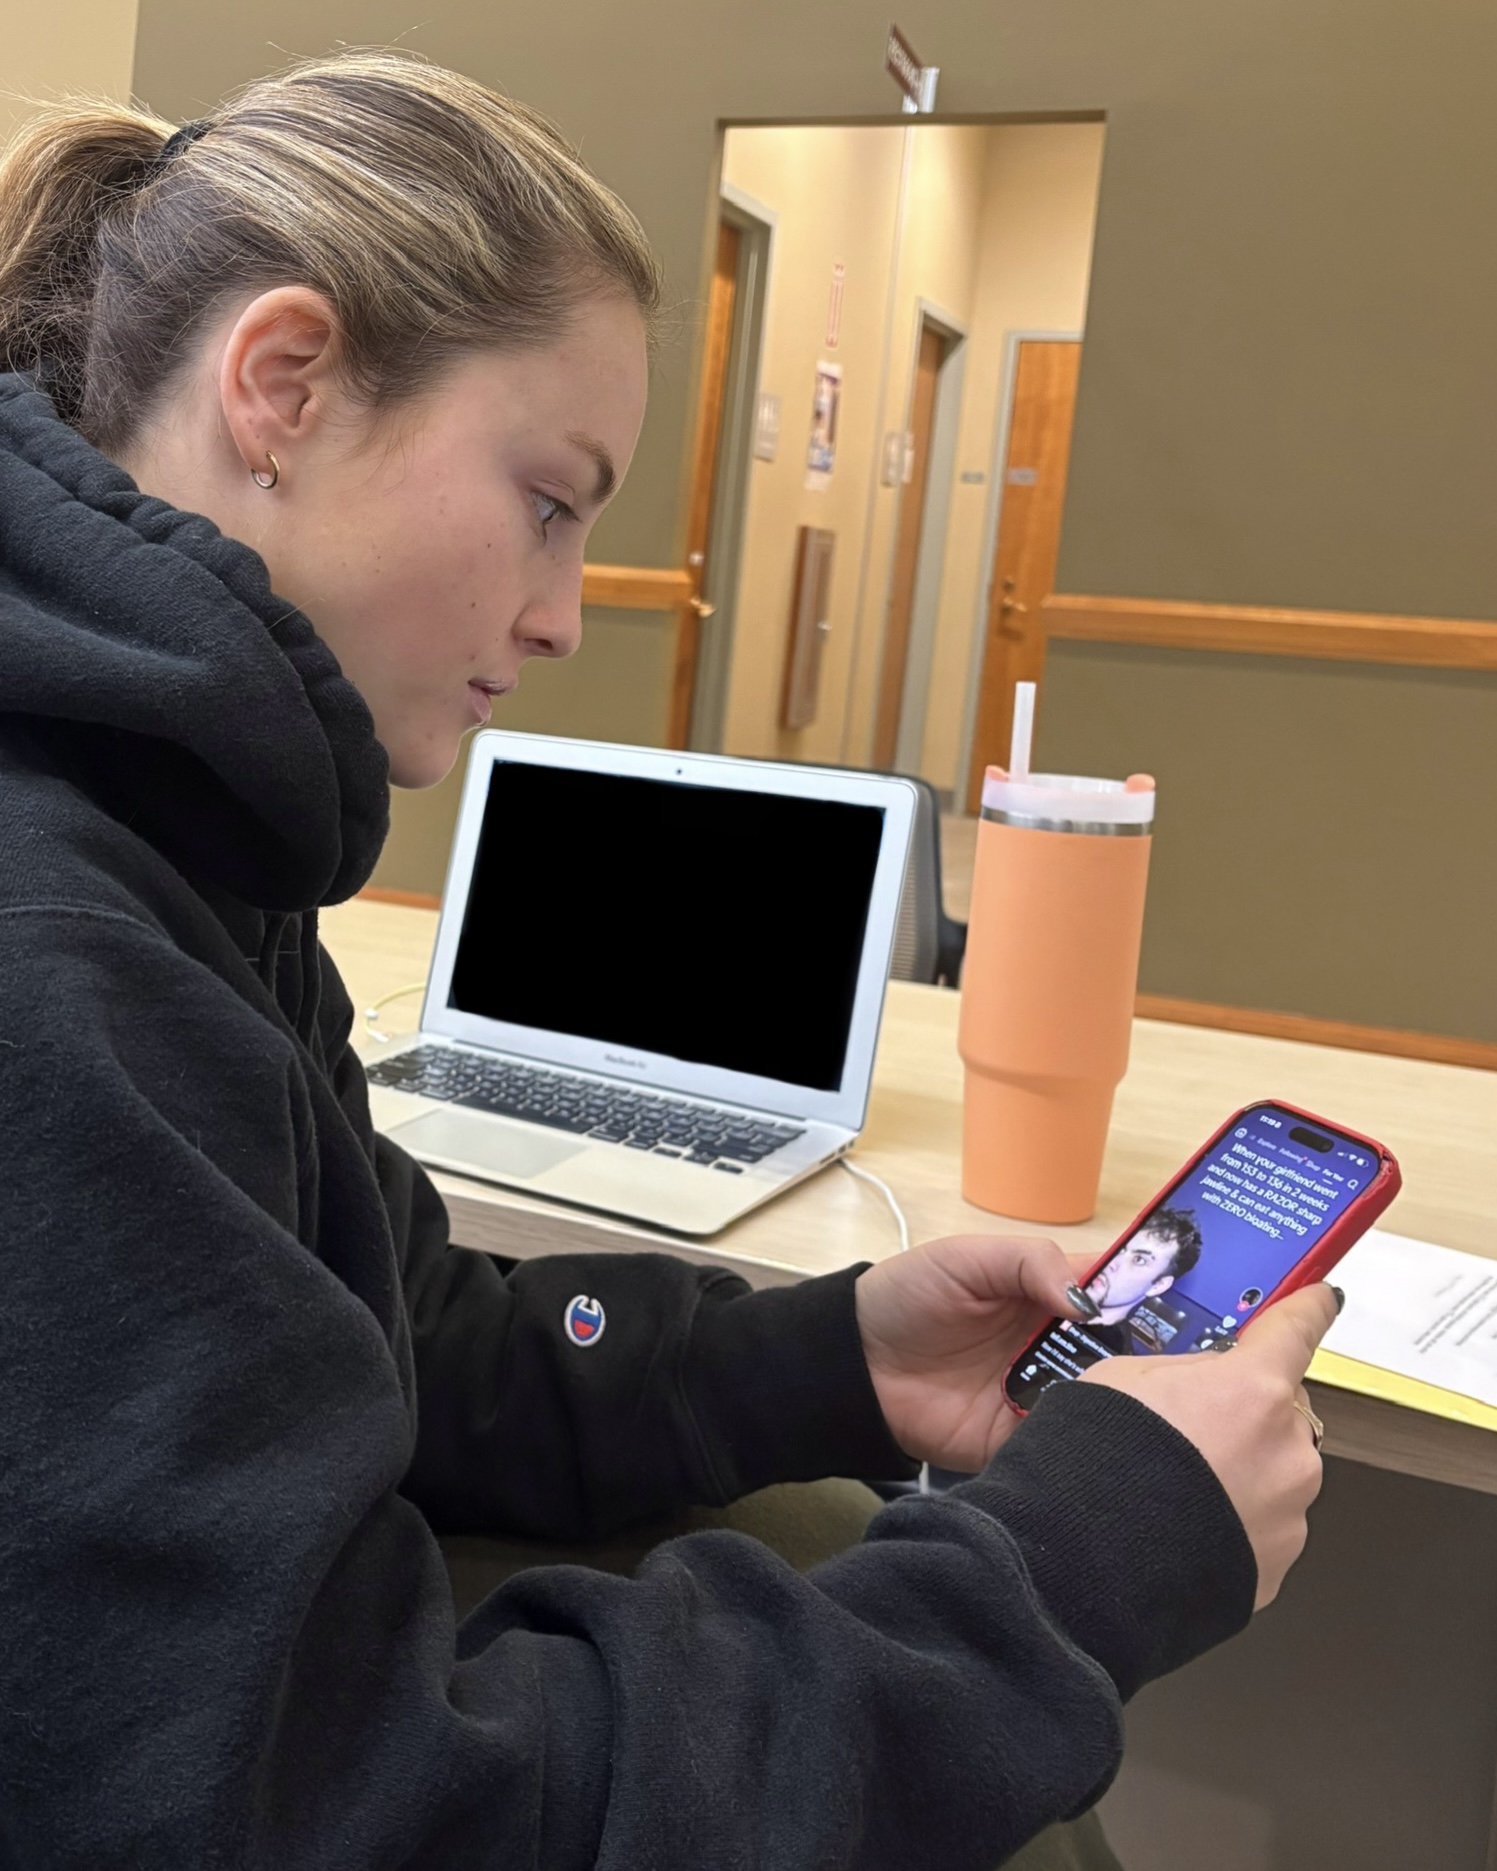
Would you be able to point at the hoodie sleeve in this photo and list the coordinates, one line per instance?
(229, 1638)
(697, 1390)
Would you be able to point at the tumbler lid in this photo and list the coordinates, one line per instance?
(1066, 802)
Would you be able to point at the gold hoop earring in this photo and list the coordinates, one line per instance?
(259, 477)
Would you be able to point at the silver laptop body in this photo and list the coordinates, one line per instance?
(658, 977)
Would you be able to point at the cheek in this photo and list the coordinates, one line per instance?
(450, 568)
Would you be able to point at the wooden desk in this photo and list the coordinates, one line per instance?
(1441, 1121)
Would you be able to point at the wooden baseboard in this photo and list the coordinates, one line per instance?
(407, 899)
(1260, 630)
(1440, 1048)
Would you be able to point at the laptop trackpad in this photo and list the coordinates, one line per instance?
(465, 1137)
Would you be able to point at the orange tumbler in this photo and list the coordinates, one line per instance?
(1048, 986)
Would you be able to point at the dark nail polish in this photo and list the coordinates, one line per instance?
(1083, 1302)
(1340, 1298)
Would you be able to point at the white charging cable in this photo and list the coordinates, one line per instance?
(867, 1175)
(372, 1011)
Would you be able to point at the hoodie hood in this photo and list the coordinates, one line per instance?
(208, 712)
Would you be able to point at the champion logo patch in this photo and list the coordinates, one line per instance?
(584, 1320)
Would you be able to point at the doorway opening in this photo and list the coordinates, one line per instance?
(928, 442)
(896, 368)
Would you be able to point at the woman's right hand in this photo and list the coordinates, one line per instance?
(1239, 1411)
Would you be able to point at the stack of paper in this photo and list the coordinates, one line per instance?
(1420, 1328)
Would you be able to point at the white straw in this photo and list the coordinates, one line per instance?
(1018, 759)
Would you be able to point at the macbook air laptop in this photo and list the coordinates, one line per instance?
(658, 977)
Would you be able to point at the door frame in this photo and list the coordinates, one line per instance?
(992, 523)
(757, 225)
(930, 562)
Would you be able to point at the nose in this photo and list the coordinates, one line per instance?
(551, 624)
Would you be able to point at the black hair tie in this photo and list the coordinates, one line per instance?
(175, 144)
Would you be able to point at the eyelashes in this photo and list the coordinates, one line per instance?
(547, 509)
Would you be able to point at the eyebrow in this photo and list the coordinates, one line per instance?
(607, 475)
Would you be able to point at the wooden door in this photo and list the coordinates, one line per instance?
(720, 306)
(907, 548)
(1034, 493)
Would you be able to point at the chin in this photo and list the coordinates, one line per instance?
(413, 770)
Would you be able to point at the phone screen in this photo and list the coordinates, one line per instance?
(1211, 1250)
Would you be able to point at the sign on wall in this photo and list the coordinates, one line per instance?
(917, 81)
(821, 455)
(766, 427)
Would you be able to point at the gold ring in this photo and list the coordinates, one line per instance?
(1317, 1428)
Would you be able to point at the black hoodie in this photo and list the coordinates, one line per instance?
(243, 1377)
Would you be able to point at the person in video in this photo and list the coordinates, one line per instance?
(324, 1545)
(1165, 1247)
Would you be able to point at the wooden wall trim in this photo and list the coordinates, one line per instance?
(637, 587)
(1437, 1047)
(1255, 630)
(407, 899)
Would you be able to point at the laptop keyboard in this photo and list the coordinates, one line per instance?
(637, 1120)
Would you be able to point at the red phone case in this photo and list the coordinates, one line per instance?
(1345, 1232)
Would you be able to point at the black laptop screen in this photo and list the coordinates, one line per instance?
(720, 927)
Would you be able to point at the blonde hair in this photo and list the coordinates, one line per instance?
(435, 216)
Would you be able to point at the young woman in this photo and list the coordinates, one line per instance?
(311, 405)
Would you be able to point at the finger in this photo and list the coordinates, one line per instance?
(1047, 1276)
(1018, 1267)
(1286, 1335)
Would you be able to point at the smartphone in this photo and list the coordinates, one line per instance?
(1269, 1204)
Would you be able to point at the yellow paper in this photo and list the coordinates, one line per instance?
(1370, 1380)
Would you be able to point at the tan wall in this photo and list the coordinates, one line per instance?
(884, 202)
(1289, 329)
(84, 47)
(835, 194)
(936, 262)
(1034, 249)
(992, 226)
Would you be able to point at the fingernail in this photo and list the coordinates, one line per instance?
(1083, 1302)
(1340, 1298)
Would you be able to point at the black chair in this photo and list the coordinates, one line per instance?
(928, 944)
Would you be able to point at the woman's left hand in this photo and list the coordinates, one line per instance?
(940, 1327)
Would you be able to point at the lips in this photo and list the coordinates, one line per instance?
(482, 695)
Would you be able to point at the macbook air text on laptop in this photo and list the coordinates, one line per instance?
(658, 977)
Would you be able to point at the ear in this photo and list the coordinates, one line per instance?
(277, 377)
(1161, 1285)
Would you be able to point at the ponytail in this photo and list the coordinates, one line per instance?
(435, 217)
(64, 175)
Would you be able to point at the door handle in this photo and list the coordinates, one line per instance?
(1008, 609)
(702, 607)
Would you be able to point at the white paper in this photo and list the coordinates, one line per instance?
(1423, 1311)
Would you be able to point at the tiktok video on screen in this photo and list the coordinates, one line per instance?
(1224, 1237)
